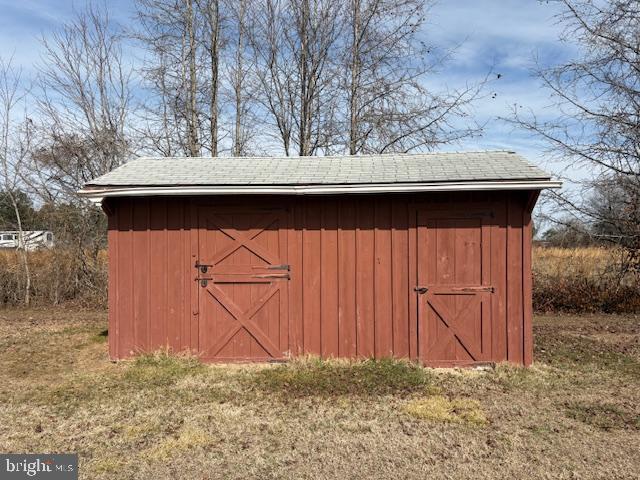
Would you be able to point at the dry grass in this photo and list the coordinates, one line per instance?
(574, 414)
(438, 409)
(58, 276)
(585, 261)
(582, 280)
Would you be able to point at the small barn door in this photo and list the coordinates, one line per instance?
(242, 276)
(454, 287)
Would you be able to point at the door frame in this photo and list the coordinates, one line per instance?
(484, 209)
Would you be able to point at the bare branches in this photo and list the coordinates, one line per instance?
(294, 45)
(183, 41)
(597, 100)
(313, 76)
(84, 102)
(388, 106)
(239, 70)
(15, 146)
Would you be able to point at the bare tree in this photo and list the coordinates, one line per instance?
(170, 118)
(212, 14)
(597, 99)
(192, 82)
(351, 76)
(294, 43)
(239, 76)
(388, 106)
(274, 73)
(15, 147)
(85, 100)
(84, 110)
(184, 43)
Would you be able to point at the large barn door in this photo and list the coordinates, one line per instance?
(454, 287)
(242, 276)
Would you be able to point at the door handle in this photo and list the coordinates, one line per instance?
(420, 290)
(279, 267)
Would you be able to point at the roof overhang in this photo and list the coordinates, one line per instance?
(98, 193)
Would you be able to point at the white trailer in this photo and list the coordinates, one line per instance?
(31, 239)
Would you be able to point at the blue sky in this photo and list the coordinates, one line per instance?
(502, 35)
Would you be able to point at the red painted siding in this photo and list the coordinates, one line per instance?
(353, 265)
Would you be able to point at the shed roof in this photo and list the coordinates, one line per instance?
(335, 174)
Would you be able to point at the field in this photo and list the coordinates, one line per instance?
(586, 279)
(574, 414)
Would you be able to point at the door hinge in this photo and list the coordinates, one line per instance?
(279, 267)
(487, 289)
(284, 276)
(420, 290)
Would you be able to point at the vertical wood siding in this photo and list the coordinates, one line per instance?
(353, 269)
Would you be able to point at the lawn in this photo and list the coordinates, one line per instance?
(574, 414)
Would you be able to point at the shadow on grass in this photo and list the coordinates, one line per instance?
(582, 353)
(604, 416)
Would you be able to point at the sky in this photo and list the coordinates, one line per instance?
(499, 36)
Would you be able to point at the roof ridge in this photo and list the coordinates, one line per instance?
(321, 157)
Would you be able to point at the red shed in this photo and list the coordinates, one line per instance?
(421, 256)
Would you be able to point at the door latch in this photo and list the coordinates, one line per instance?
(420, 290)
(203, 281)
(203, 267)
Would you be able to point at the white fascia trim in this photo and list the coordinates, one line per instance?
(97, 194)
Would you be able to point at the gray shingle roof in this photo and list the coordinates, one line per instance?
(342, 170)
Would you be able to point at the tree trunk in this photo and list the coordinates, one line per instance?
(355, 74)
(305, 106)
(214, 52)
(22, 252)
(237, 87)
(194, 143)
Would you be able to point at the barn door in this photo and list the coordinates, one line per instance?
(454, 287)
(242, 276)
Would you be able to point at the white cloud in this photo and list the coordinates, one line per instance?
(505, 36)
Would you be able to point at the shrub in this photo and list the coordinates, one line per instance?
(58, 276)
(577, 280)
